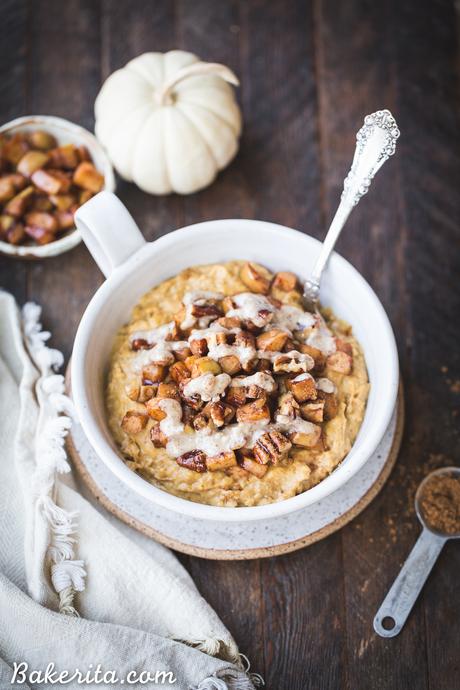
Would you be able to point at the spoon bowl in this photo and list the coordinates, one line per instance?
(442, 472)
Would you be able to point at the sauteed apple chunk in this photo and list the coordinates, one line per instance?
(41, 186)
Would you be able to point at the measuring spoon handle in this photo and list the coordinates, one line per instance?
(400, 599)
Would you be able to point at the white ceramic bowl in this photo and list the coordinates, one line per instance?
(133, 266)
(65, 132)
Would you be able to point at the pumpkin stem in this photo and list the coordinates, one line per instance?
(165, 94)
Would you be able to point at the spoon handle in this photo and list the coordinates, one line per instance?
(375, 142)
(400, 599)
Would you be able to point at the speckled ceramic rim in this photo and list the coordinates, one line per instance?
(181, 248)
(65, 132)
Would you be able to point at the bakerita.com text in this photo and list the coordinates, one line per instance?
(93, 675)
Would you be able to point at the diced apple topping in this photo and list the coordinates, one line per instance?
(247, 462)
(199, 347)
(133, 422)
(205, 365)
(154, 410)
(158, 438)
(153, 373)
(256, 278)
(288, 406)
(303, 387)
(293, 363)
(306, 440)
(256, 411)
(232, 393)
(179, 372)
(219, 412)
(230, 364)
(222, 461)
(313, 411)
(331, 404)
(168, 390)
(285, 281)
(318, 357)
(273, 340)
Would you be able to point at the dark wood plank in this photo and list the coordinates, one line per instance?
(13, 103)
(352, 75)
(305, 619)
(427, 97)
(280, 152)
(213, 33)
(394, 246)
(65, 83)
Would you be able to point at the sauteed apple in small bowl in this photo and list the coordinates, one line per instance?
(223, 390)
(48, 168)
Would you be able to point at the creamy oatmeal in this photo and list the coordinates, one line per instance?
(223, 390)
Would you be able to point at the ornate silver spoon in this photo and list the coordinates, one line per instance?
(375, 143)
(403, 594)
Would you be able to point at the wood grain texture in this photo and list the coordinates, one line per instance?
(309, 72)
(396, 249)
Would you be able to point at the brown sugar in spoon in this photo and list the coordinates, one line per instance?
(437, 504)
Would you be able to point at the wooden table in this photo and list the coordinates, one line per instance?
(309, 72)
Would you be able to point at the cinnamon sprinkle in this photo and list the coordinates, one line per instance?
(440, 503)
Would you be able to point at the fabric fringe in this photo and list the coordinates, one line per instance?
(215, 647)
(66, 598)
(232, 679)
(67, 574)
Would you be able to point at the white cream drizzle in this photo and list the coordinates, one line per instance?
(262, 379)
(154, 335)
(249, 307)
(210, 333)
(303, 377)
(207, 386)
(162, 353)
(171, 425)
(245, 353)
(199, 297)
(230, 437)
(289, 318)
(289, 425)
(321, 337)
(298, 360)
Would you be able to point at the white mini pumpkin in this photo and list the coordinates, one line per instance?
(168, 121)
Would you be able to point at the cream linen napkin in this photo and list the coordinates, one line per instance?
(140, 610)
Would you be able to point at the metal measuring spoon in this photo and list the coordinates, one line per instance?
(403, 594)
(375, 143)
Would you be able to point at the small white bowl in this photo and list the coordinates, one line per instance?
(65, 132)
(133, 266)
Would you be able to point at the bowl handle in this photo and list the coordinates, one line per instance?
(108, 230)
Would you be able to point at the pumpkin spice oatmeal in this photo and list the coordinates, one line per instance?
(223, 390)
